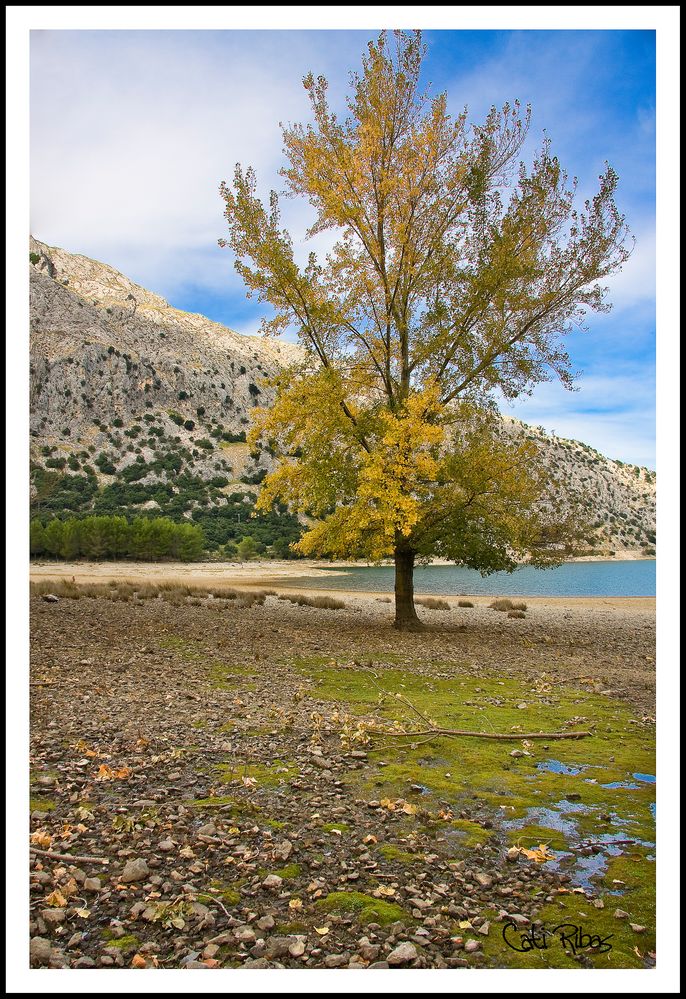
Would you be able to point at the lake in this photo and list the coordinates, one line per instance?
(573, 579)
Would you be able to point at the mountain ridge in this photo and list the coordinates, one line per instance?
(156, 393)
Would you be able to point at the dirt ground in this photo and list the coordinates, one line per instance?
(209, 753)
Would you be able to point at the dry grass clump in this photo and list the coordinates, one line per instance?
(383, 600)
(323, 602)
(433, 603)
(516, 613)
(465, 603)
(505, 604)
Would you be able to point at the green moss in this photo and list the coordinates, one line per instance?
(367, 908)
(126, 944)
(41, 804)
(238, 807)
(288, 872)
(391, 852)
(336, 827)
(274, 824)
(264, 774)
(471, 832)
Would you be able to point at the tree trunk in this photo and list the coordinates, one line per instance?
(405, 614)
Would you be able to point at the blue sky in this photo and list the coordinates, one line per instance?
(132, 132)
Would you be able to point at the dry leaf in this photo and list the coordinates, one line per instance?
(138, 961)
(295, 903)
(321, 930)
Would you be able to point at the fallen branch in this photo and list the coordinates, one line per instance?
(463, 733)
(69, 856)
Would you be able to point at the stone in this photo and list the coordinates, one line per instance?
(471, 946)
(135, 870)
(297, 948)
(40, 951)
(244, 934)
(50, 598)
(621, 914)
(165, 845)
(265, 923)
(272, 881)
(485, 880)
(336, 960)
(402, 954)
(92, 884)
(637, 928)
(283, 850)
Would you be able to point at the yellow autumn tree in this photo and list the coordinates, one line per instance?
(456, 273)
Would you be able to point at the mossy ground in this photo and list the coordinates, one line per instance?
(263, 775)
(555, 794)
(366, 908)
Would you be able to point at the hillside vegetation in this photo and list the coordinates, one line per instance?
(139, 409)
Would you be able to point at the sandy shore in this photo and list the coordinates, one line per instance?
(283, 576)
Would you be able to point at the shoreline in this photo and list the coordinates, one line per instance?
(289, 576)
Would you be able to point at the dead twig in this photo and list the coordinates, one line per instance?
(463, 733)
(69, 856)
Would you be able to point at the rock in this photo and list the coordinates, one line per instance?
(283, 850)
(621, 914)
(209, 829)
(471, 946)
(636, 928)
(278, 947)
(261, 962)
(518, 918)
(211, 950)
(50, 598)
(367, 951)
(484, 929)
(403, 954)
(485, 880)
(84, 962)
(272, 881)
(53, 917)
(134, 870)
(40, 951)
(297, 948)
(512, 855)
(517, 753)
(378, 964)
(573, 796)
(265, 923)
(244, 934)
(165, 845)
(336, 960)
(92, 884)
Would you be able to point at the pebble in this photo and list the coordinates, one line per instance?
(40, 950)
(135, 870)
(403, 954)
(92, 884)
(272, 881)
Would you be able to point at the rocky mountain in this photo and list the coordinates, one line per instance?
(136, 406)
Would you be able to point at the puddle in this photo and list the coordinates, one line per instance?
(557, 767)
(646, 778)
(582, 867)
(652, 808)
(621, 783)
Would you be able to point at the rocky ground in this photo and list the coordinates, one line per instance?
(205, 792)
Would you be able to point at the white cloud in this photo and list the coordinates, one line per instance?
(613, 413)
(133, 132)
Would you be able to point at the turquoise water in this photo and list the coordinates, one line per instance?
(574, 579)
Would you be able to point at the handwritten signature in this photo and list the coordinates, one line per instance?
(568, 935)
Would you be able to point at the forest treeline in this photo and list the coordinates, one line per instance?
(144, 538)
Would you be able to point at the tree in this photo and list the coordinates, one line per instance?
(456, 274)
